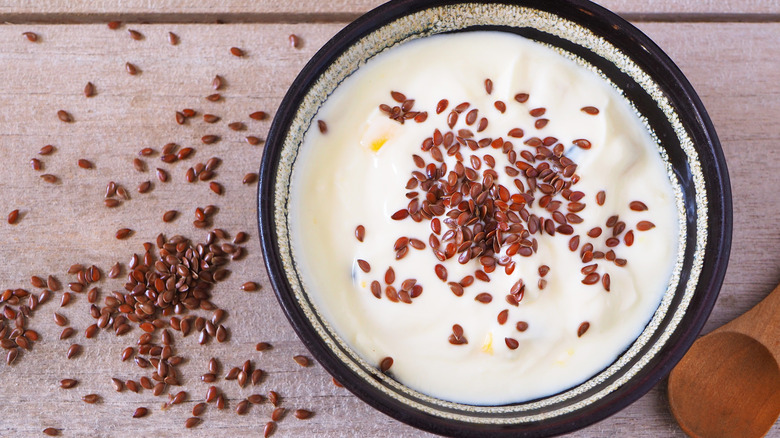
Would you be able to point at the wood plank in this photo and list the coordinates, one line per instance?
(732, 65)
(301, 10)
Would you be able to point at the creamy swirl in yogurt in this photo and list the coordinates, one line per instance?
(482, 218)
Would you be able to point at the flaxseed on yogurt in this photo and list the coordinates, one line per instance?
(484, 219)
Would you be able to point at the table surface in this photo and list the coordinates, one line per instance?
(729, 50)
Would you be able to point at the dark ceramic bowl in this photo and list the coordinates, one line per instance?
(672, 110)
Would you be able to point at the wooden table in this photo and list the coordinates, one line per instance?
(730, 51)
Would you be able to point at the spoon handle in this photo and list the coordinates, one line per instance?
(762, 323)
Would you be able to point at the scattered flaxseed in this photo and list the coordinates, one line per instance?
(250, 178)
(209, 139)
(294, 41)
(242, 407)
(140, 412)
(50, 431)
(68, 383)
(91, 398)
(192, 422)
(173, 39)
(13, 217)
(67, 332)
(278, 414)
(134, 34)
(216, 187)
(123, 233)
(169, 215)
(89, 90)
(258, 115)
(131, 69)
(46, 150)
(235, 51)
(252, 140)
(303, 414)
(273, 397)
(582, 329)
(114, 25)
(269, 429)
(49, 178)
(31, 36)
(64, 116)
(301, 360)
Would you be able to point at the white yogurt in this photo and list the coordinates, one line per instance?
(356, 174)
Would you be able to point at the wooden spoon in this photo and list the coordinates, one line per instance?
(728, 384)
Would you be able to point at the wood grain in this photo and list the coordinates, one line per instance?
(297, 10)
(732, 65)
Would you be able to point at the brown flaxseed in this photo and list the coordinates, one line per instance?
(269, 429)
(169, 215)
(303, 414)
(131, 69)
(13, 217)
(385, 364)
(592, 110)
(644, 225)
(301, 360)
(258, 115)
(209, 139)
(68, 383)
(242, 407)
(51, 179)
(123, 233)
(89, 90)
(216, 187)
(91, 398)
(273, 397)
(64, 116)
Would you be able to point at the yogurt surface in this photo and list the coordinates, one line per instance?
(561, 272)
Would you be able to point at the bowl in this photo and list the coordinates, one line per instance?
(669, 106)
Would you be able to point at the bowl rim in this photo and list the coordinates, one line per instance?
(661, 68)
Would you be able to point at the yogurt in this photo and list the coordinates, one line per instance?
(482, 218)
